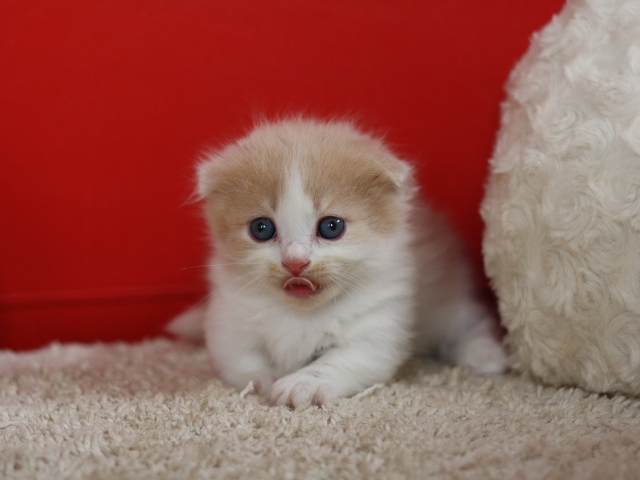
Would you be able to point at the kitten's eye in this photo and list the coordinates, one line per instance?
(330, 227)
(262, 229)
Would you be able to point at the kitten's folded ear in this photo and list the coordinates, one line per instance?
(400, 172)
(402, 175)
(205, 176)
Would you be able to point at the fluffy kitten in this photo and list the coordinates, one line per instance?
(327, 271)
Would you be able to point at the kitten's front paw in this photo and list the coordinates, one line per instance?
(258, 386)
(262, 383)
(483, 354)
(299, 388)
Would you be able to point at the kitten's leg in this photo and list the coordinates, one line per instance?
(476, 344)
(246, 367)
(189, 325)
(238, 358)
(343, 371)
(481, 352)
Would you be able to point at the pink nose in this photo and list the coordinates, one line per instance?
(295, 265)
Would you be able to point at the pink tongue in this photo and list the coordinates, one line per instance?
(299, 285)
(299, 288)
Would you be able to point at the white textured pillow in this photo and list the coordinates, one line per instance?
(562, 207)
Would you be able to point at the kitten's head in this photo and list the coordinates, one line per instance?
(305, 210)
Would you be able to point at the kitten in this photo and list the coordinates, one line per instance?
(328, 271)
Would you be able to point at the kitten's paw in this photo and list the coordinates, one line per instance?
(483, 354)
(298, 388)
(259, 385)
(262, 383)
(253, 382)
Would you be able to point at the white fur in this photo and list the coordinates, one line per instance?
(392, 294)
(562, 207)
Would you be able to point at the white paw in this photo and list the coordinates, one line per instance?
(262, 383)
(256, 382)
(483, 354)
(298, 388)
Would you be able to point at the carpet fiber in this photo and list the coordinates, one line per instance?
(154, 410)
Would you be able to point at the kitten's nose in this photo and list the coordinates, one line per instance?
(295, 265)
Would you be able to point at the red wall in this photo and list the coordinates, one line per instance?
(105, 104)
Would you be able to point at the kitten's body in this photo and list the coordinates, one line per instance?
(308, 318)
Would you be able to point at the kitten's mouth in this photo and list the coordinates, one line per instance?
(299, 287)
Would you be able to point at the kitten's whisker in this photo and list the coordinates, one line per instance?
(365, 270)
(354, 278)
(258, 277)
(356, 281)
(204, 300)
(358, 285)
(350, 282)
(346, 290)
(219, 265)
(266, 285)
(242, 277)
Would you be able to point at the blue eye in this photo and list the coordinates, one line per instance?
(330, 227)
(262, 229)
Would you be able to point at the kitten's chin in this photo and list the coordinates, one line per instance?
(300, 288)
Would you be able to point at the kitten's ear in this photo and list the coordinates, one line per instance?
(402, 175)
(400, 172)
(205, 175)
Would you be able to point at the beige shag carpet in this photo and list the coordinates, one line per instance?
(153, 410)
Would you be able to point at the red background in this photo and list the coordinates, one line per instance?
(105, 104)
